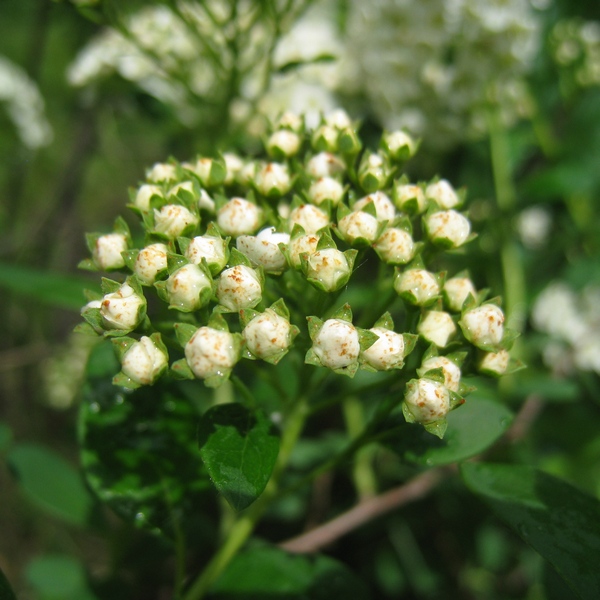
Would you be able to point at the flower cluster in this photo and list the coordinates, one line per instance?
(249, 256)
(436, 66)
(24, 104)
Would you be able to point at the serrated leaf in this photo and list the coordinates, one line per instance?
(472, 428)
(268, 572)
(555, 518)
(239, 448)
(139, 448)
(50, 482)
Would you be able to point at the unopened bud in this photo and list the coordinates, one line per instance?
(427, 400)
(395, 246)
(188, 288)
(107, 251)
(161, 172)
(233, 166)
(173, 220)
(399, 145)
(239, 217)
(329, 267)
(325, 138)
(387, 352)
(373, 172)
(283, 144)
(484, 326)
(304, 244)
(450, 370)
(456, 291)
(417, 286)
(144, 195)
(211, 352)
(144, 362)
(273, 180)
(309, 217)
(123, 309)
(326, 189)
(384, 207)
(448, 228)
(409, 198)
(263, 249)
(213, 249)
(239, 287)
(443, 194)
(337, 344)
(324, 164)
(358, 225)
(494, 363)
(437, 326)
(268, 335)
(150, 261)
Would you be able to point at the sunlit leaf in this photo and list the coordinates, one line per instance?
(239, 448)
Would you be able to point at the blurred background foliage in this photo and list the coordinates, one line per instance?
(533, 184)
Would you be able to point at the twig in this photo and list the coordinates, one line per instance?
(365, 511)
(525, 418)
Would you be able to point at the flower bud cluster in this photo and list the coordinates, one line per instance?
(245, 253)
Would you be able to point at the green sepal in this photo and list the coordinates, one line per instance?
(410, 342)
(120, 226)
(456, 399)
(184, 332)
(469, 303)
(508, 339)
(458, 358)
(297, 232)
(436, 374)
(85, 329)
(280, 308)
(385, 321)
(93, 316)
(217, 321)
(370, 209)
(124, 381)
(320, 142)
(246, 315)
(403, 153)
(325, 242)
(218, 172)
(122, 345)
(366, 338)
(437, 428)
(109, 286)
(314, 326)
(348, 141)
(238, 258)
(344, 313)
(342, 211)
(87, 264)
(181, 370)
(183, 243)
(175, 262)
(91, 295)
(183, 196)
(130, 256)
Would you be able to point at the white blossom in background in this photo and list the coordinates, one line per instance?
(24, 105)
(533, 226)
(398, 56)
(572, 320)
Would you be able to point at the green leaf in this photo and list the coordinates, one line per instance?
(6, 592)
(139, 448)
(54, 289)
(472, 428)
(239, 449)
(556, 519)
(58, 577)
(50, 482)
(5, 437)
(297, 64)
(267, 572)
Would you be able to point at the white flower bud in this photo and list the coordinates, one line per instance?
(184, 287)
(442, 193)
(205, 202)
(211, 248)
(202, 168)
(373, 172)
(337, 344)
(395, 246)
(338, 118)
(326, 188)
(211, 352)
(107, 251)
(263, 249)
(144, 194)
(448, 226)
(427, 400)
(239, 217)
(419, 285)
(456, 291)
(309, 217)
(483, 326)
(149, 262)
(247, 173)
(300, 245)
(233, 166)
(450, 369)
(144, 361)
(273, 179)
(328, 266)
(291, 121)
(358, 225)
(494, 363)
(387, 352)
(399, 144)
(324, 164)
(405, 192)
(284, 142)
(384, 207)
(268, 335)
(161, 172)
(122, 309)
(325, 137)
(173, 219)
(437, 327)
(239, 287)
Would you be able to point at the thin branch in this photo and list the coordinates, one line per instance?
(525, 418)
(364, 512)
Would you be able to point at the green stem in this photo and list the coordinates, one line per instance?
(362, 472)
(243, 527)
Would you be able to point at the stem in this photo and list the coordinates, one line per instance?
(243, 527)
(362, 472)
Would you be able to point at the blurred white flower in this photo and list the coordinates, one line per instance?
(24, 105)
(533, 225)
